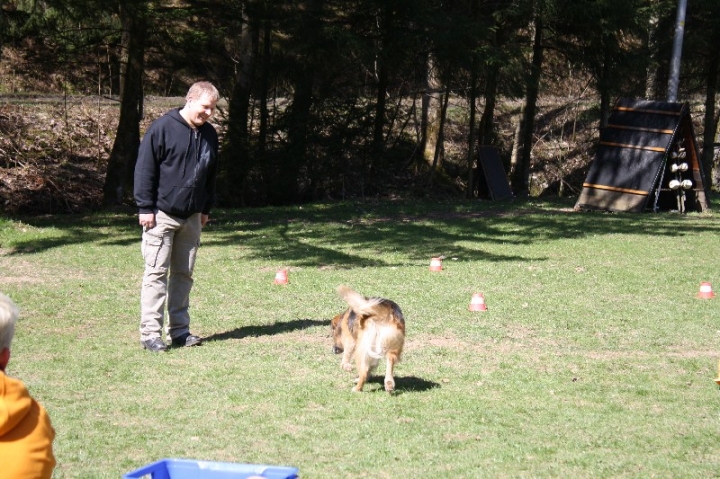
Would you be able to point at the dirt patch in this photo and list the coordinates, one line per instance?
(19, 280)
(23, 272)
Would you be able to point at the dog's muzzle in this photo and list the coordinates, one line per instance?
(337, 350)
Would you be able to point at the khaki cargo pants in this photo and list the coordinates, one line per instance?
(169, 251)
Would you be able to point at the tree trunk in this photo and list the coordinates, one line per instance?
(440, 143)
(3, 22)
(486, 127)
(297, 138)
(520, 174)
(604, 83)
(470, 191)
(380, 101)
(516, 147)
(710, 121)
(236, 155)
(652, 82)
(430, 112)
(121, 164)
(264, 88)
(383, 75)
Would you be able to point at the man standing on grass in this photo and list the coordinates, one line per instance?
(174, 191)
(26, 435)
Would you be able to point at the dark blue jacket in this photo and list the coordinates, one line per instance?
(176, 167)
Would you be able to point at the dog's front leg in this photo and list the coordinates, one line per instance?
(346, 364)
(348, 350)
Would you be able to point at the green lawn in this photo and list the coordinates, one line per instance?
(594, 359)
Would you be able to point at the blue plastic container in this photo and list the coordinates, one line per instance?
(191, 469)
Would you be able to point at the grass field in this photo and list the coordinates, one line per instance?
(594, 358)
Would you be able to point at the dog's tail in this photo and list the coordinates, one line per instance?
(376, 337)
(357, 302)
(376, 348)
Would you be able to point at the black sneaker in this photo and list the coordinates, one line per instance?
(186, 340)
(155, 345)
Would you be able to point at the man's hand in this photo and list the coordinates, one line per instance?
(204, 219)
(147, 220)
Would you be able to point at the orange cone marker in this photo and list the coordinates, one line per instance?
(477, 303)
(436, 264)
(706, 291)
(281, 277)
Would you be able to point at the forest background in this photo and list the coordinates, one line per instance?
(328, 99)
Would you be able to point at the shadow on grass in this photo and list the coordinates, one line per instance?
(345, 235)
(342, 234)
(267, 330)
(403, 384)
(116, 227)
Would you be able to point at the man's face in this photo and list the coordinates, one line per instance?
(200, 109)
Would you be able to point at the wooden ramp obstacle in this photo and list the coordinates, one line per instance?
(647, 159)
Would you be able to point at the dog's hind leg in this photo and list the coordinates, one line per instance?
(390, 359)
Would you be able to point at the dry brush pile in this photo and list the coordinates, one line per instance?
(54, 150)
(53, 153)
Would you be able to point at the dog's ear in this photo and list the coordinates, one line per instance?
(336, 323)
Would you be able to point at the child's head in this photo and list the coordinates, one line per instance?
(8, 317)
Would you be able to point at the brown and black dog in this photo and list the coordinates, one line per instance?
(369, 330)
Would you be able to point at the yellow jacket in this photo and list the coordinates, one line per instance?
(26, 435)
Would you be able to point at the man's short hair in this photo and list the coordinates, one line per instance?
(8, 317)
(201, 88)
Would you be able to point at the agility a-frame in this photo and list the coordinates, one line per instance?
(647, 159)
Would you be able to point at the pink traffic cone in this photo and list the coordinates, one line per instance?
(281, 277)
(436, 264)
(477, 303)
(706, 291)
